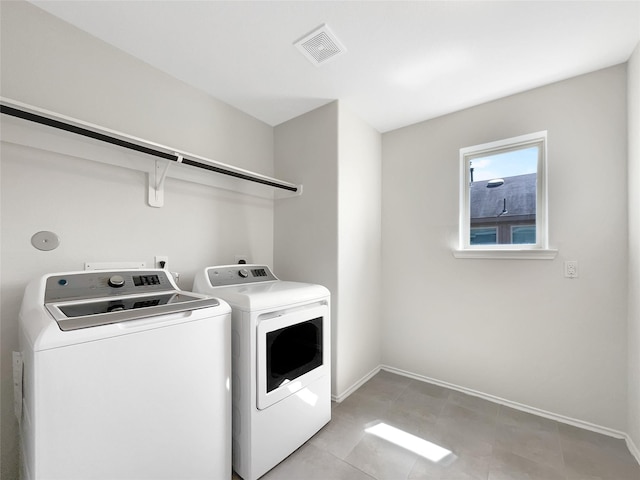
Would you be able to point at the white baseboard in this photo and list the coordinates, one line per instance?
(501, 401)
(342, 396)
(515, 405)
(633, 448)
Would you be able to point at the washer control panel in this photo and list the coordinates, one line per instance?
(86, 285)
(242, 274)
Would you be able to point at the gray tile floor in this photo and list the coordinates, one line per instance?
(487, 441)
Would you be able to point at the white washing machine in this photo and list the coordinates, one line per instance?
(281, 354)
(125, 377)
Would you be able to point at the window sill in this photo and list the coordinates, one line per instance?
(508, 254)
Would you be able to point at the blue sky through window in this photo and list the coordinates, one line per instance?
(506, 164)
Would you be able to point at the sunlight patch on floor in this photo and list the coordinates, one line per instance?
(417, 445)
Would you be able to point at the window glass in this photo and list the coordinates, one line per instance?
(503, 194)
(484, 236)
(523, 234)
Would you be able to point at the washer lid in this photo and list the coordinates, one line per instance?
(92, 298)
(79, 314)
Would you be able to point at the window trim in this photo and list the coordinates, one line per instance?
(539, 250)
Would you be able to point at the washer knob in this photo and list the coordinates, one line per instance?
(243, 272)
(116, 281)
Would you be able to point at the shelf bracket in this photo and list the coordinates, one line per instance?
(156, 181)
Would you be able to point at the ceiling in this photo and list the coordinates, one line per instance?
(405, 61)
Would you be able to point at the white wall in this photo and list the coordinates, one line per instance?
(634, 248)
(515, 329)
(306, 231)
(331, 234)
(359, 338)
(99, 211)
(305, 227)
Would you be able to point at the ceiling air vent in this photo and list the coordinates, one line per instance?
(320, 46)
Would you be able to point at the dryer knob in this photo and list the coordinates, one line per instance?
(116, 281)
(244, 273)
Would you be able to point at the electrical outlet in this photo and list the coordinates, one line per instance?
(242, 259)
(571, 269)
(161, 261)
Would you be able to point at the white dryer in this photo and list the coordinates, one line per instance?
(125, 377)
(281, 362)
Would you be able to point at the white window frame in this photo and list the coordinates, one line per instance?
(539, 250)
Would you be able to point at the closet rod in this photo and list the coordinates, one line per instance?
(25, 114)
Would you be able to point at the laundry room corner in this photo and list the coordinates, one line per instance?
(267, 240)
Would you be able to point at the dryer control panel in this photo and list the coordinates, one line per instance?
(242, 274)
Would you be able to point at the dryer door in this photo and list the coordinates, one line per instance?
(293, 350)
